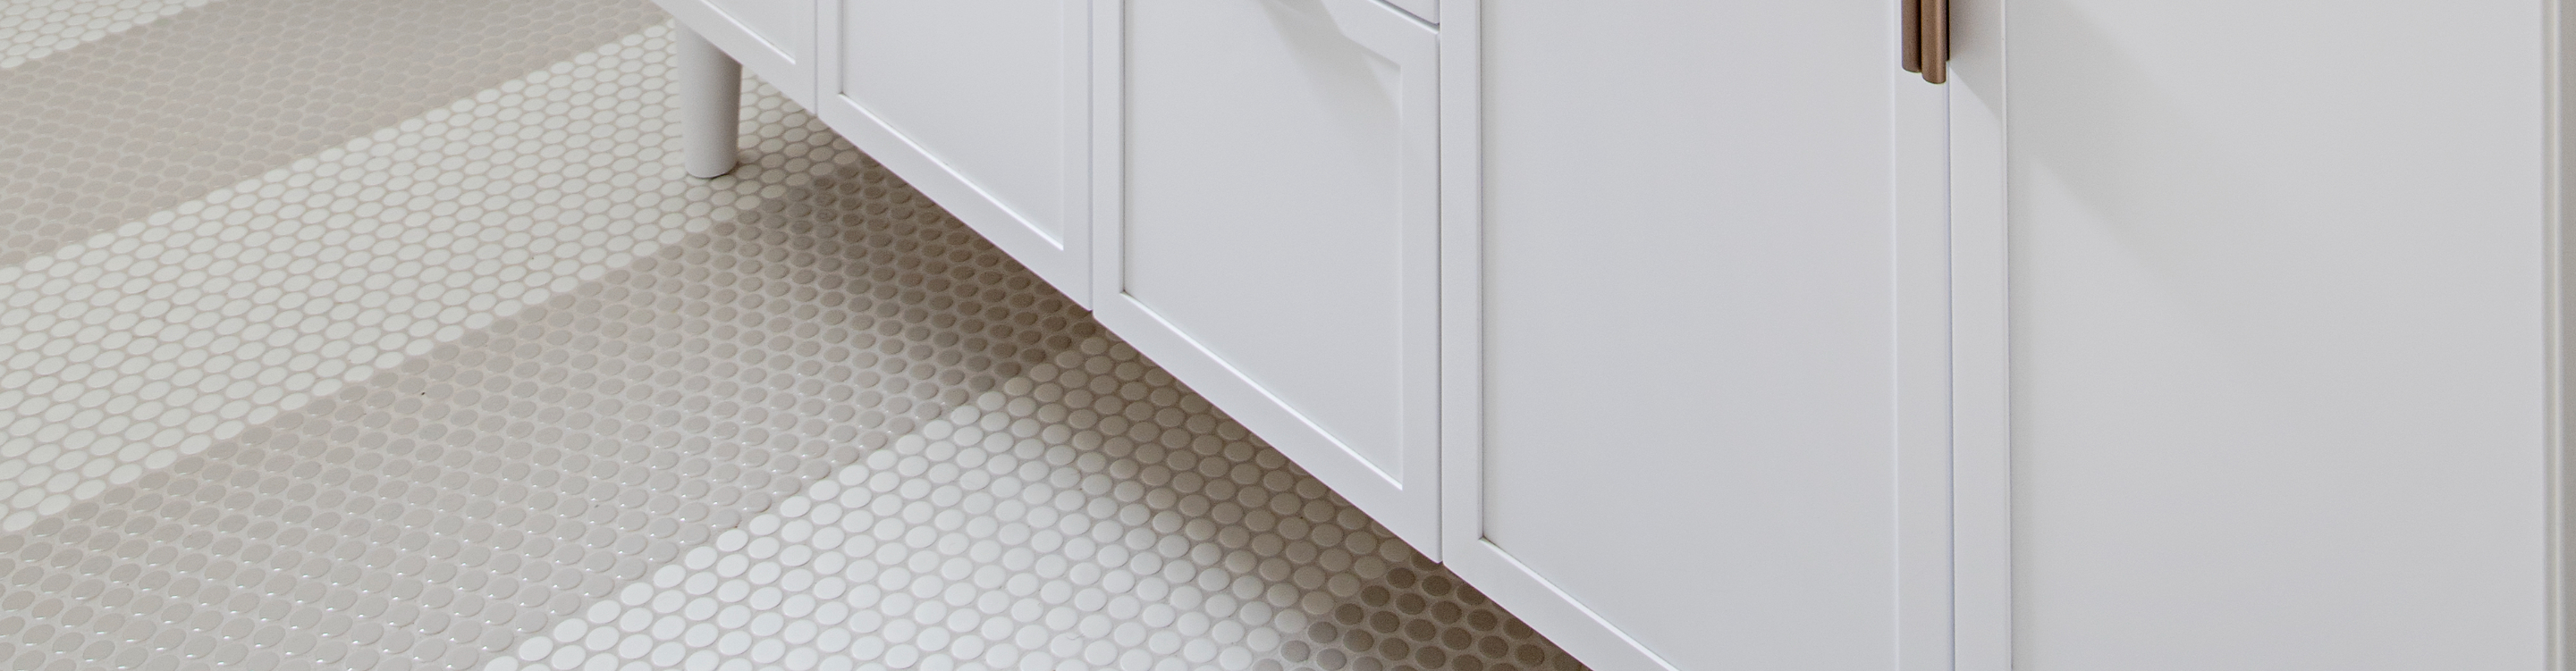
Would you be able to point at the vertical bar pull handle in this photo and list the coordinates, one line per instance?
(1926, 29)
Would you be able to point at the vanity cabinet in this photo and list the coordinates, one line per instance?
(1633, 357)
(1271, 216)
(1702, 336)
(1262, 178)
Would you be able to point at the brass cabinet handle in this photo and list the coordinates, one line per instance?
(1927, 38)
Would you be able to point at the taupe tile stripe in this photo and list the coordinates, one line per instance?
(33, 29)
(429, 518)
(151, 117)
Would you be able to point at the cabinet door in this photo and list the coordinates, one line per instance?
(2282, 399)
(1275, 233)
(1715, 336)
(774, 39)
(983, 106)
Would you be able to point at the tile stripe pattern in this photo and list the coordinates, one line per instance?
(427, 518)
(430, 517)
(144, 120)
(152, 341)
(33, 29)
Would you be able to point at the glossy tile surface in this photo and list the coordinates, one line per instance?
(456, 370)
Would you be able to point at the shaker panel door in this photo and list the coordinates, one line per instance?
(1278, 231)
(2283, 337)
(982, 105)
(1715, 337)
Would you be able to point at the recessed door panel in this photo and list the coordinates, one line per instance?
(984, 106)
(2282, 341)
(1280, 222)
(979, 84)
(1714, 336)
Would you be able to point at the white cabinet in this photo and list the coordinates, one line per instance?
(774, 39)
(1702, 337)
(1262, 175)
(984, 106)
(1715, 383)
(1270, 230)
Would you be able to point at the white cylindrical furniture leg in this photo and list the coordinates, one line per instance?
(710, 105)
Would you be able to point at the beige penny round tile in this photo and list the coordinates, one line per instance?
(430, 516)
(144, 120)
(1089, 514)
(133, 348)
(32, 29)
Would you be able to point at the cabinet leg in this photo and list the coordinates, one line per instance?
(710, 105)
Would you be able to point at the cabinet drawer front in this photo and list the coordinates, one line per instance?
(1281, 218)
